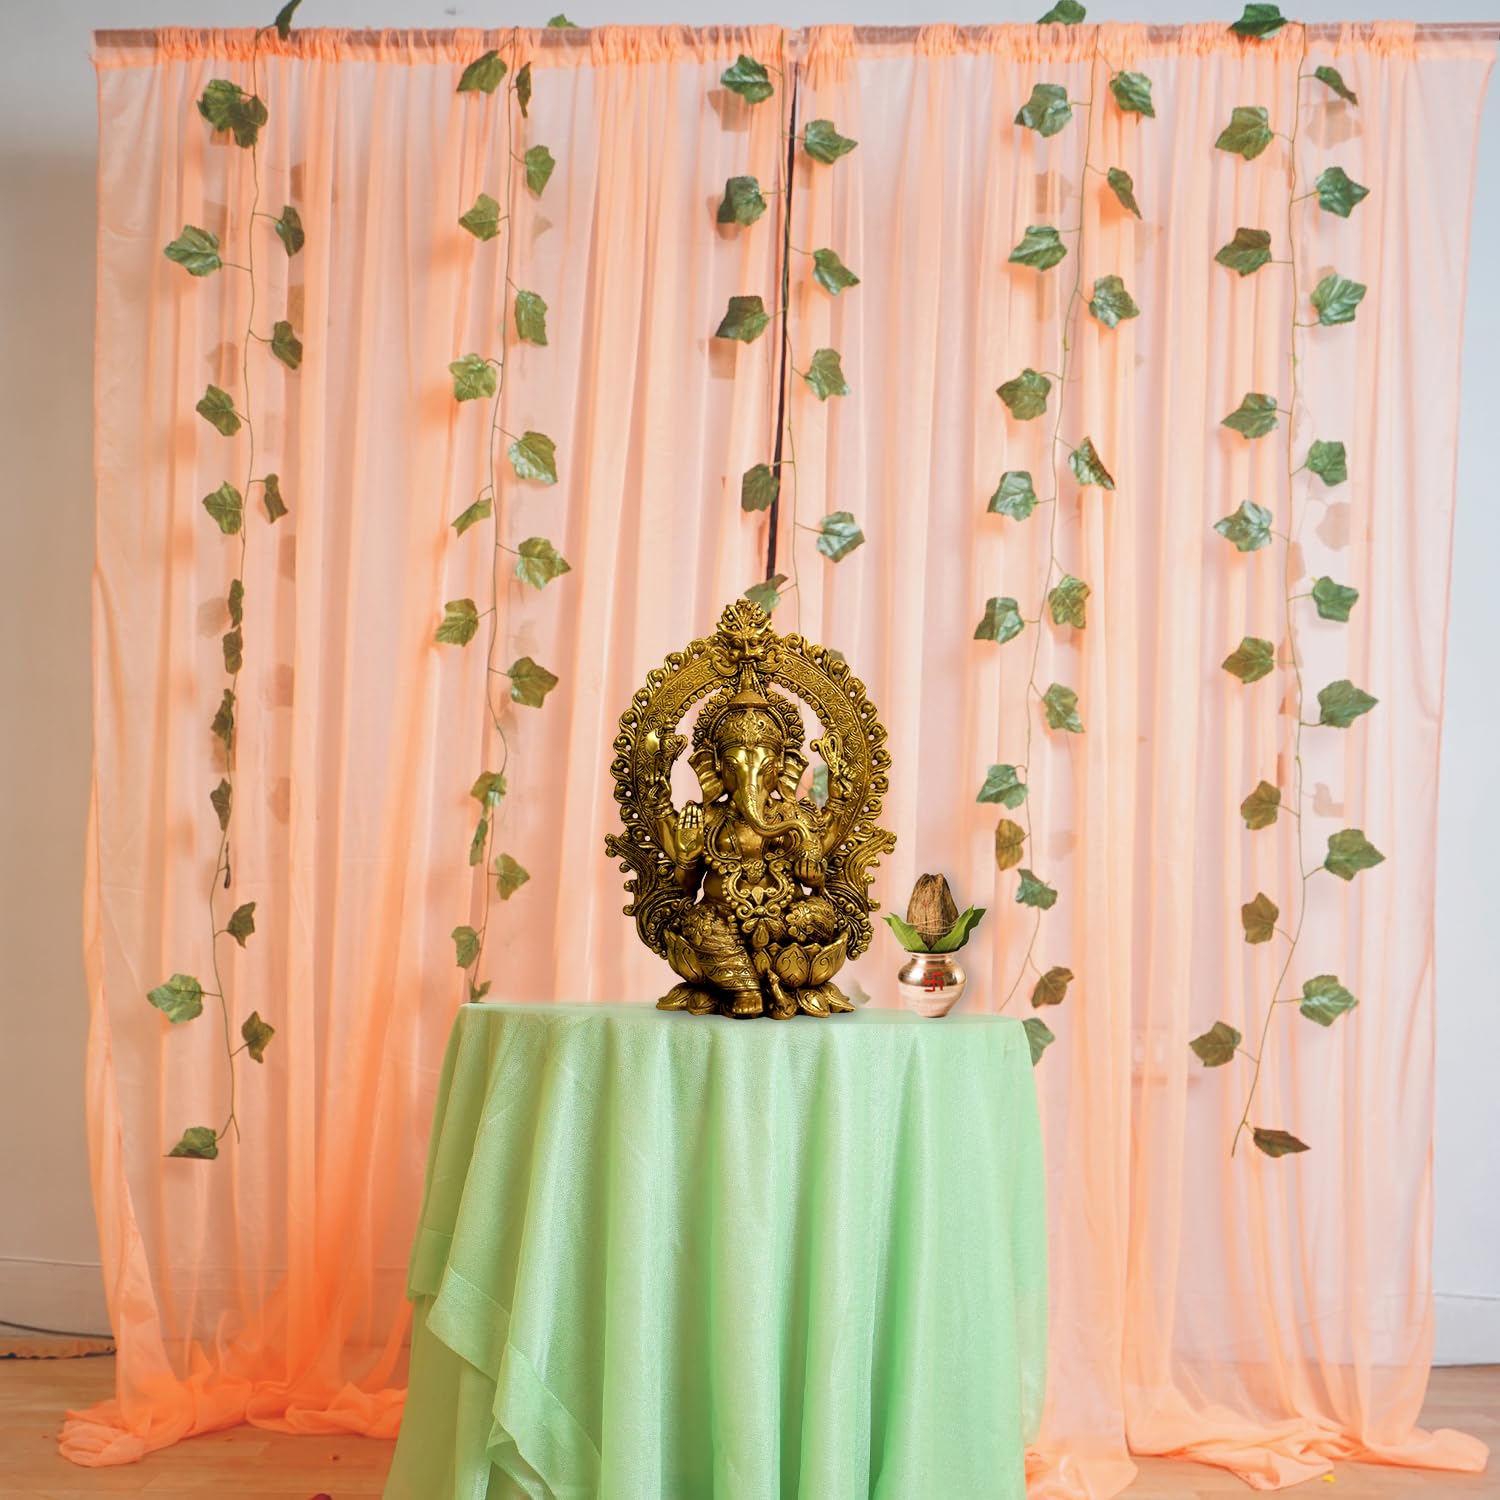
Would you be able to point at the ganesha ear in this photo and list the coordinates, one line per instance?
(793, 764)
(702, 762)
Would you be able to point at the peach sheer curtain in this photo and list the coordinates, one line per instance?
(1266, 1316)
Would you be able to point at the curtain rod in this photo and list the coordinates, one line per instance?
(1488, 31)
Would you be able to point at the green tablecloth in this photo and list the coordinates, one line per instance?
(664, 1257)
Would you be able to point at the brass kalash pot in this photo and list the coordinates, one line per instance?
(932, 980)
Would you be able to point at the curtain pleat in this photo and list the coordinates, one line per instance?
(1267, 1316)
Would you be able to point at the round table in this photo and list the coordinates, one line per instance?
(667, 1257)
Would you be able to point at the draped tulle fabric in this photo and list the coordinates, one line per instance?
(1268, 1316)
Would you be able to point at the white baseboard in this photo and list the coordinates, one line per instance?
(1468, 1330)
(48, 1295)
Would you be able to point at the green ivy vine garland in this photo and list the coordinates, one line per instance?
(1048, 111)
(746, 319)
(231, 111)
(1334, 301)
(532, 457)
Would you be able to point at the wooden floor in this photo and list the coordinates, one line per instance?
(246, 1464)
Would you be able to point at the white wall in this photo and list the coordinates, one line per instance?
(48, 1252)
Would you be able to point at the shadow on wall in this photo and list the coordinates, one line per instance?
(47, 544)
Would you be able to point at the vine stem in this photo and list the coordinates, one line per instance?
(497, 548)
(1075, 299)
(1291, 596)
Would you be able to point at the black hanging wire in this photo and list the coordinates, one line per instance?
(790, 84)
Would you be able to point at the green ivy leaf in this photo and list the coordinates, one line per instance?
(223, 720)
(1336, 297)
(227, 506)
(1064, 13)
(826, 375)
(1251, 660)
(1088, 467)
(531, 318)
(906, 934)
(1327, 461)
(523, 90)
(1324, 1000)
(1034, 891)
(1067, 601)
(831, 273)
(1015, 496)
(465, 946)
(1260, 808)
(1123, 187)
(1276, 1142)
(1111, 303)
(766, 595)
(509, 876)
(179, 998)
(818, 788)
(483, 219)
(1038, 1037)
(236, 601)
(241, 923)
(1338, 192)
(1002, 621)
(1132, 93)
(289, 230)
(217, 409)
(1010, 844)
(823, 143)
(257, 1034)
(196, 251)
(1047, 111)
(1349, 852)
(958, 934)
(559, 22)
(1341, 703)
(1334, 600)
(477, 992)
(1026, 395)
(283, 22)
(539, 168)
(1334, 79)
(460, 623)
(1216, 1046)
(222, 801)
(1247, 252)
(1248, 132)
(1254, 417)
(743, 201)
(285, 344)
(1041, 247)
(226, 106)
(839, 535)
(1249, 527)
(759, 488)
(530, 683)
(1259, 917)
(538, 562)
(198, 1141)
(1260, 20)
(533, 455)
(1002, 785)
(1061, 706)
(744, 320)
(476, 843)
(234, 651)
(479, 511)
(749, 79)
(271, 495)
(483, 75)
(1052, 987)
(488, 788)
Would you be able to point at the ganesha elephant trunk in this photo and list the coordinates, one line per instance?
(749, 799)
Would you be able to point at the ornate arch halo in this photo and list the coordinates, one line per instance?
(744, 653)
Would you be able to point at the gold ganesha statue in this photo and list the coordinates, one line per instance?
(755, 896)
